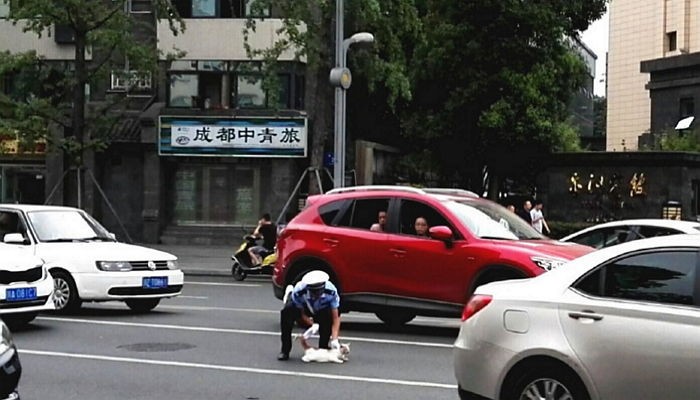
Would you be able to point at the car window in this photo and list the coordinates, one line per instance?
(605, 237)
(490, 220)
(410, 210)
(329, 211)
(65, 225)
(11, 222)
(363, 213)
(661, 276)
(651, 231)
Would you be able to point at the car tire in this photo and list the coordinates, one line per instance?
(238, 273)
(395, 319)
(142, 305)
(558, 381)
(18, 320)
(65, 294)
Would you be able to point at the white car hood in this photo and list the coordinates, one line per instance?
(14, 258)
(100, 251)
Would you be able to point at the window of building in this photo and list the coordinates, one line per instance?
(687, 107)
(216, 84)
(671, 41)
(220, 8)
(140, 6)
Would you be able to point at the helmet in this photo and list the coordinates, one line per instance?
(315, 280)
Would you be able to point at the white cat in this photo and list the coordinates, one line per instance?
(339, 356)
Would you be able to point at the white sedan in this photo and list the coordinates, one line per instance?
(616, 232)
(25, 286)
(85, 260)
(620, 323)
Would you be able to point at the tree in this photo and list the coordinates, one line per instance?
(53, 94)
(383, 67)
(600, 112)
(492, 81)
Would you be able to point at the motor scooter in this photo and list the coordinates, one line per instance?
(242, 264)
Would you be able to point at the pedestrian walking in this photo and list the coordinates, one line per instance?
(524, 213)
(537, 218)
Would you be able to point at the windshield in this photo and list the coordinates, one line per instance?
(66, 225)
(489, 220)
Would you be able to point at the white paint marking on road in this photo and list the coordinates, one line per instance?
(188, 283)
(210, 308)
(350, 378)
(237, 331)
(193, 297)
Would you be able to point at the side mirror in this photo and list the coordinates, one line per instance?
(442, 233)
(14, 238)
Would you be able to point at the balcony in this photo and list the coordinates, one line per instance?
(219, 39)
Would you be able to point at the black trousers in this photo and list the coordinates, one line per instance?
(290, 314)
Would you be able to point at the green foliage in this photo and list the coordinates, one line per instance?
(52, 93)
(600, 110)
(680, 141)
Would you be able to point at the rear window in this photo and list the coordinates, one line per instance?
(329, 211)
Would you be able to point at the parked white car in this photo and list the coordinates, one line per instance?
(616, 232)
(85, 260)
(25, 286)
(620, 323)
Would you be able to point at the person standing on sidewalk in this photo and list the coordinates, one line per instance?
(313, 300)
(537, 217)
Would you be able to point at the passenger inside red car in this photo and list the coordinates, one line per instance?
(421, 227)
(380, 225)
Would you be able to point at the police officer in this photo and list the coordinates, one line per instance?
(314, 299)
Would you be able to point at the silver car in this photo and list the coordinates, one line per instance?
(620, 323)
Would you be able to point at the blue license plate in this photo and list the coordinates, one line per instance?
(20, 294)
(156, 282)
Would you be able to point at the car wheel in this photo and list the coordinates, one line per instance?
(548, 383)
(18, 320)
(142, 305)
(65, 294)
(238, 273)
(395, 319)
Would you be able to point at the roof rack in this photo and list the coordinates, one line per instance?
(375, 187)
(411, 189)
(451, 191)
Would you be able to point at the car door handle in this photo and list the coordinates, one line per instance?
(585, 314)
(331, 242)
(398, 252)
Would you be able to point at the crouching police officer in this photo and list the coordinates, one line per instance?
(314, 299)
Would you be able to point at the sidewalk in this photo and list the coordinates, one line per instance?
(204, 260)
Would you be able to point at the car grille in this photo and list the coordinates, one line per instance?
(4, 304)
(136, 291)
(30, 275)
(143, 265)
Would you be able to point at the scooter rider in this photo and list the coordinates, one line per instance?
(314, 299)
(268, 231)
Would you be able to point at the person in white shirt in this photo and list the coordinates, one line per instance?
(537, 217)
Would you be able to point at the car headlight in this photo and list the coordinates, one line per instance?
(113, 266)
(6, 341)
(547, 263)
(172, 264)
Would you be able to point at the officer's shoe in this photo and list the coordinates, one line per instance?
(282, 356)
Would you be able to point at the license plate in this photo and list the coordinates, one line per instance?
(20, 294)
(157, 282)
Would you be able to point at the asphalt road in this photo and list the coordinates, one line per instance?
(219, 340)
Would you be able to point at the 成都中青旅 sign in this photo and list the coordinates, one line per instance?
(239, 137)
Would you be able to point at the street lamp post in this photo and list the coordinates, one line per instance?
(341, 78)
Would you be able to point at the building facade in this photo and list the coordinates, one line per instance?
(661, 32)
(205, 149)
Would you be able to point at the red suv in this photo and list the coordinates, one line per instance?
(387, 268)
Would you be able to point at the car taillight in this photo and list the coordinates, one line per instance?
(475, 304)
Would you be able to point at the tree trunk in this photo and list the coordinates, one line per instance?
(74, 161)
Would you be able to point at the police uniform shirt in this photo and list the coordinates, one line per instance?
(301, 298)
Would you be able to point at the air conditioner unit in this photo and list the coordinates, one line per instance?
(64, 34)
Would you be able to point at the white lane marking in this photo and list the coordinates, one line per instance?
(237, 331)
(239, 369)
(193, 297)
(187, 283)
